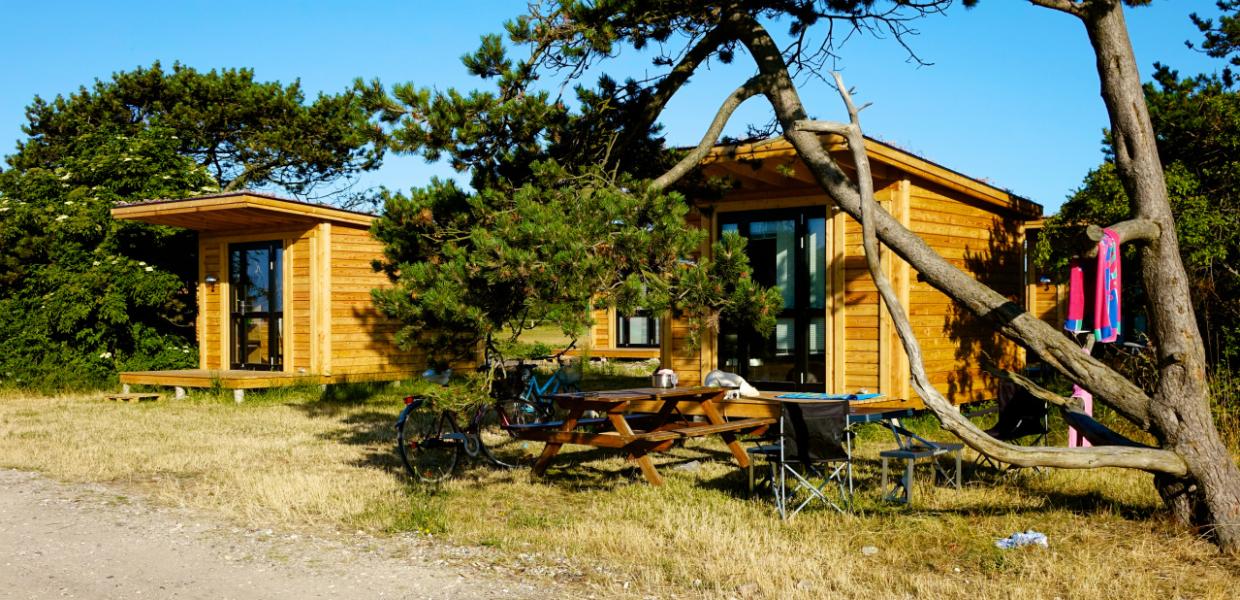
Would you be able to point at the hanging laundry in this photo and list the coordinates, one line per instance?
(1077, 292)
(1107, 290)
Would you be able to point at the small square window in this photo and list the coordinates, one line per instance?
(638, 331)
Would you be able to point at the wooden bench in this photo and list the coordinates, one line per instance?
(688, 430)
(133, 397)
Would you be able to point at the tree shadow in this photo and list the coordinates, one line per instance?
(999, 263)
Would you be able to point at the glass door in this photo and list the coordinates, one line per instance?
(787, 250)
(255, 278)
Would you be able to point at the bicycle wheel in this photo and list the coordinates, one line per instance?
(428, 444)
(498, 443)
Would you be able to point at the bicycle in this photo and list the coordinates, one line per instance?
(539, 394)
(431, 443)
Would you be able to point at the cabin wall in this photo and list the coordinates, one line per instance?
(870, 356)
(298, 314)
(988, 246)
(361, 341)
(861, 308)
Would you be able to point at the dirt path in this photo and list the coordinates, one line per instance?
(71, 541)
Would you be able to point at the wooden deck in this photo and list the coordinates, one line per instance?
(624, 353)
(238, 379)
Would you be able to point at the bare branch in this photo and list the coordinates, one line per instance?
(1038, 391)
(691, 160)
(823, 127)
(1128, 231)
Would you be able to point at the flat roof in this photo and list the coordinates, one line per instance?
(237, 210)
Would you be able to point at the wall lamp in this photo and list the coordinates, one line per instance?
(211, 279)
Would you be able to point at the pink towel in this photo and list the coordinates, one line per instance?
(1075, 321)
(1107, 290)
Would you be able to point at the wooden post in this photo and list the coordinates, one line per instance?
(323, 293)
(901, 276)
(837, 302)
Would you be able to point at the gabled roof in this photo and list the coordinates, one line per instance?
(732, 159)
(237, 210)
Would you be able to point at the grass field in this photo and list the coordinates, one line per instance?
(292, 459)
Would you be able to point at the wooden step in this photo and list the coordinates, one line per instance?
(133, 397)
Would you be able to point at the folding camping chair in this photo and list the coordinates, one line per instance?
(1022, 415)
(813, 451)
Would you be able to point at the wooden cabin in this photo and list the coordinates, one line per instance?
(831, 335)
(283, 294)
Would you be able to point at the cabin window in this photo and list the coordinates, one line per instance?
(787, 250)
(638, 331)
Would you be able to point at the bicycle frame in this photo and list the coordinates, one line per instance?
(534, 392)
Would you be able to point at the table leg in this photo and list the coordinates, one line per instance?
(640, 455)
(553, 448)
(712, 415)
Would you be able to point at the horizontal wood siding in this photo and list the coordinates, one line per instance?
(209, 310)
(861, 310)
(989, 247)
(297, 315)
(601, 331)
(362, 340)
(684, 360)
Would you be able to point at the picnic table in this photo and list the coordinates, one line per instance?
(640, 421)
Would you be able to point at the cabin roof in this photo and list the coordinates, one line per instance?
(237, 210)
(746, 161)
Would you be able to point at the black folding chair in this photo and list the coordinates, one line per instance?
(1021, 416)
(813, 452)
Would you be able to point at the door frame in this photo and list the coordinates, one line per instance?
(276, 338)
(800, 213)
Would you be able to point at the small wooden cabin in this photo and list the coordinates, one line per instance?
(832, 336)
(283, 294)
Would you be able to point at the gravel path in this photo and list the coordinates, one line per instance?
(89, 541)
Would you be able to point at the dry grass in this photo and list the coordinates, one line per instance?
(291, 460)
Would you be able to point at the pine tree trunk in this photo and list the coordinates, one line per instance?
(1180, 412)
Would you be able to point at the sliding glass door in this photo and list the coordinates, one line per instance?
(787, 250)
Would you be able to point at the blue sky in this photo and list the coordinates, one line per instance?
(1012, 96)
